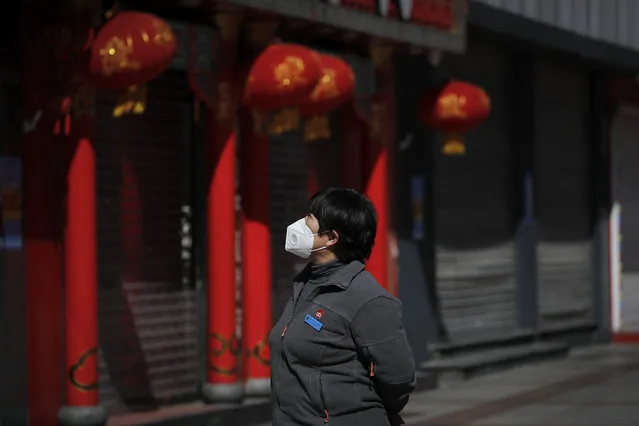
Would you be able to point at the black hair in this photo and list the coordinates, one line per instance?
(351, 215)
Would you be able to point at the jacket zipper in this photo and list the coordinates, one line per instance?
(371, 366)
(294, 313)
(321, 382)
(369, 358)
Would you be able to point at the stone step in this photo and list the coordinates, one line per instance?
(456, 368)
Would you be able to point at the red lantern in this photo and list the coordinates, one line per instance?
(131, 49)
(281, 78)
(455, 108)
(335, 86)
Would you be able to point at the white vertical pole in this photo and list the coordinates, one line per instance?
(615, 266)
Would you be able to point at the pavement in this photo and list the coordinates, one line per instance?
(594, 386)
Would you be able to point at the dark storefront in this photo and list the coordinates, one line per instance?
(473, 208)
(515, 246)
(148, 217)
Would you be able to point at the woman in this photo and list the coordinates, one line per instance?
(339, 353)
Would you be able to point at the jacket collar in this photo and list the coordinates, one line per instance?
(341, 278)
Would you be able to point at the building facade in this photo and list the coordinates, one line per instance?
(116, 237)
(521, 236)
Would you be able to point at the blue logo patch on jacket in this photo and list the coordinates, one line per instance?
(313, 322)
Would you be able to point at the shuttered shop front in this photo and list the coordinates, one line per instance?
(564, 202)
(147, 298)
(475, 266)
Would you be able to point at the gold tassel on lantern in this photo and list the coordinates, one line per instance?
(454, 145)
(316, 128)
(133, 101)
(285, 121)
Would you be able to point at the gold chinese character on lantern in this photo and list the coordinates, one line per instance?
(163, 32)
(289, 72)
(224, 106)
(115, 56)
(284, 121)
(316, 128)
(452, 105)
(325, 87)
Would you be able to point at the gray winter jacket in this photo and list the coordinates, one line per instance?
(340, 357)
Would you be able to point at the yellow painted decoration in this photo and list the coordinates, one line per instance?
(318, 127)
(289, 72)
(115, 56)
(285, 121)
(454, 145)
(452, 106)
(133, 101)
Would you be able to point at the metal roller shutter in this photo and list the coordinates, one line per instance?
(473, 206)
(564, 204)
(147, 296)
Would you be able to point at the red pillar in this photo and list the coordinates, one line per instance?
(223, 382)
(256, 254)
(256, 238)
(377, 162)
(81, 277)
(42, 226)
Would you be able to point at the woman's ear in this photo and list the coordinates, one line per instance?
(333, 238)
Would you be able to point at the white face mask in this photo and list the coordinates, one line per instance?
(300, 239)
